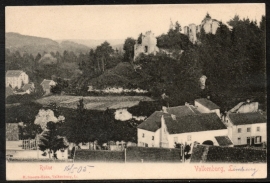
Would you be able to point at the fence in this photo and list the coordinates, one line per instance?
(29, 144)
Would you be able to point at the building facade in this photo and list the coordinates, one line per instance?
(246, 128)
(185, 125)
(16, 78)
(46, 85)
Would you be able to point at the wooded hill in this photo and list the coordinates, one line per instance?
(233, 61)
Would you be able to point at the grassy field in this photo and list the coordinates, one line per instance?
(96, 103)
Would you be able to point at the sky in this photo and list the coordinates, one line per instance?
(117, 21)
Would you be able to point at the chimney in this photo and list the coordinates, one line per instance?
(164, 109)
(248, 101)
(208, 97)
(173, 116)
(186, 104)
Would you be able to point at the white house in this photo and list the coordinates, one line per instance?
(206, 106)
(16, 78)
(46, 85)
(246, 128)
(182, 124)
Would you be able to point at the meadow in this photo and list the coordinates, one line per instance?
(94, 102)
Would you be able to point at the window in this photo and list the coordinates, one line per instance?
(248, 129)
(239, 140)
(153, 137)
(84, 144)
(258, 139)
(189, 138)
(239, 130)
(175, 139)
(248, 140)
(258, 129)
(146, 49)
(143, 135)
(146, 145)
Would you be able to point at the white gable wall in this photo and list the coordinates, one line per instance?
(147, 139)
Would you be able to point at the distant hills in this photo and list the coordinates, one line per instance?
(93, 43)
(34, 45)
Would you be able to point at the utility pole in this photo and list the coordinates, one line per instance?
(37, 146)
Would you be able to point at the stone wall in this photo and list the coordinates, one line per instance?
(148, 45)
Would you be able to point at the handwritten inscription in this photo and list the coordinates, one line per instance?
(231, 168)
(234, 168)
(77, 169)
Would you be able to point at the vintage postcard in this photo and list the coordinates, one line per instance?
(136, 92)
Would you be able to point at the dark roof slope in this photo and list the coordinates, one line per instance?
(207, 103)
(227, 154)
(194, 123)
(246, 118)
(27, 86)
(13, 73)
(183, 110)
(223, 140)
(153, 122)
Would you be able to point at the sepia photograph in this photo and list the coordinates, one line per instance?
(164, 91)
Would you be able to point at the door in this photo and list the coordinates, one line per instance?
(248, 140)
(252, 141)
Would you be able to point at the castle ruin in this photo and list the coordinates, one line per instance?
(208, 24)
(148, 45)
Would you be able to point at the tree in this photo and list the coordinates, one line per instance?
(77, 126)
(139, 40)
(177, 27)
(50, 139)
(129, 49)
(103, 54)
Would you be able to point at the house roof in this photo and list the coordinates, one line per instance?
(246, 118)
(45, 82)
(14, 73)
(27, 86)
(183, 110)
(153, 122)
(227, 154)
(245, 107)
(223, 140)
(183, 124)
(207, 103)
(194, 123)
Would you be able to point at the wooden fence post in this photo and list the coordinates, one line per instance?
(125, 155)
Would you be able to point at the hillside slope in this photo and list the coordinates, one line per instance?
(123, 75)
(34, 45)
